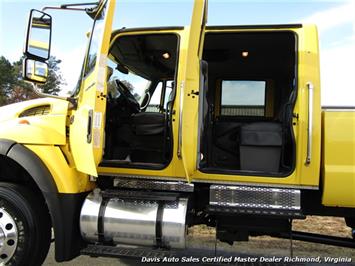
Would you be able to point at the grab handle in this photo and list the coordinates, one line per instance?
(310, 122)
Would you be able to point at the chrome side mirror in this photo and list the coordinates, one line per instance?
(35, 71)
(38, 38)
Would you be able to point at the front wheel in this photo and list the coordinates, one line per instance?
(25, 228)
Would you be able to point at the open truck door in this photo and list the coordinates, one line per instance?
(87, 122)
(189, 82)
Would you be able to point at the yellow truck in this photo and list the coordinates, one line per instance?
(238, 141)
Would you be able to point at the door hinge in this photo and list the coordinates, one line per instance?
(101, 96)
(193, 93)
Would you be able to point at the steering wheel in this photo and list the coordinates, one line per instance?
(127, 95)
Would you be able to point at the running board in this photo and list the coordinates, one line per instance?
(256, 212)
(153, 256)
(125, 252)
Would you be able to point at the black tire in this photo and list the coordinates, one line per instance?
(32, 220)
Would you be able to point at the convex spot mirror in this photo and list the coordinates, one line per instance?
(35, 71)
(38, 37)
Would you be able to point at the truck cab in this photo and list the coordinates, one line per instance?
(171, 127)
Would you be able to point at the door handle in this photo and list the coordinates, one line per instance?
(310, 123)
(89, 128)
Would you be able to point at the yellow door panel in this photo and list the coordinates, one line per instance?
(87, 122)
(188, 82)
(308, 107)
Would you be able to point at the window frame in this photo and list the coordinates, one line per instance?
(163, 100)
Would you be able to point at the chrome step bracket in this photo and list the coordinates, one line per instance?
(252, 197)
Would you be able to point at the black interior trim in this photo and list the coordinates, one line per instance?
(208, 168)
(154, 166)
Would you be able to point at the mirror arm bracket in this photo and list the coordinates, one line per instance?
(41, 94)
(70, 7)
(73, 103)
(65, 8)
(80, 4)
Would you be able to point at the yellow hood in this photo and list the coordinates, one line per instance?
(39, 121)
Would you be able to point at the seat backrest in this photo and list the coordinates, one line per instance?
(148, 123)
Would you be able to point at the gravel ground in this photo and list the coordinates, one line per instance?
(204, 237)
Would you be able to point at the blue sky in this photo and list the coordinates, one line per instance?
(335, 21)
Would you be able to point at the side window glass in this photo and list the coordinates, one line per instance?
(168, 93)
(95, 42)
(243, 98)
(154, 103)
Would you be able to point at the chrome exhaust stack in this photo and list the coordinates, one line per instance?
(144, 222)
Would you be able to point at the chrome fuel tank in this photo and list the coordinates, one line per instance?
(134, 221)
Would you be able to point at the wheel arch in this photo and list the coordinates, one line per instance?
(64, 209)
